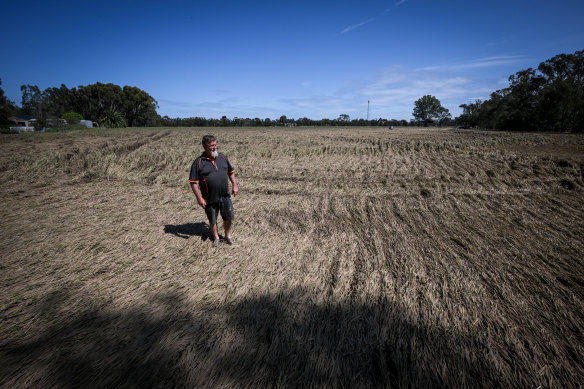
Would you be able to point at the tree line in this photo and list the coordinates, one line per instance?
(342, 120)
(549, 98)
(102, 103)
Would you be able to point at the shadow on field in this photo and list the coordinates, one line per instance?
(265, 341)
(189, 229)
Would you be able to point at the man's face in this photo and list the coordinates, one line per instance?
(211, 148)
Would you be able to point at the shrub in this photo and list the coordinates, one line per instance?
(72, 117)
(112, 119)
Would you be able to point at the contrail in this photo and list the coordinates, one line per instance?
(356, 26)
(400, 2)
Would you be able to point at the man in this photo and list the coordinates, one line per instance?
(208, 179)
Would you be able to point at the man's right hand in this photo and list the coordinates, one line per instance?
(200, 199)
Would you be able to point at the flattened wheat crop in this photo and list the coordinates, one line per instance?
(363, 257)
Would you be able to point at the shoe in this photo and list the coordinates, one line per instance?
(216, 243)
(229, 240)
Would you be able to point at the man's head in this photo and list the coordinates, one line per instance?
(210, 145)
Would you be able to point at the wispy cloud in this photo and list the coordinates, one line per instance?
(165, 103)
(350, 28)
(400, 2)
(396, 88)
(392, 93)
(477, 63)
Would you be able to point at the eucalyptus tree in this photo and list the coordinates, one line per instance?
(96, 99)
(31, 101)
(139, 106)
(549, 98)
(6, 108)
(57, 101)
(470, 114)
(428, 109)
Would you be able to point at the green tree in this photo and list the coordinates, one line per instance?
(521, 103)
(112, 119)
(72, 117)
(561, 97)
(57, 101)
(470, 114)
(31, 102)
(549, 98)
(91, 101)
(428, 109)
(225, 121)
(95, 99)
(6, 108)
(139, 107)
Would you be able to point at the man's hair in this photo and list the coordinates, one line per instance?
(208, 139)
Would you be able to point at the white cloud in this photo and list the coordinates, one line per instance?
(477, 63)
(164, 103)
(399, 87)
(392, 92)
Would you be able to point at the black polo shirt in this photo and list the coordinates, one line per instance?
(211, 175)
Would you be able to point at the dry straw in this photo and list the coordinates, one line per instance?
(363, 258)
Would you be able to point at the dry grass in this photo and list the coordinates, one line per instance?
(363, 257)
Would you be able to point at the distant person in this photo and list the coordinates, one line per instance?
(209, 180)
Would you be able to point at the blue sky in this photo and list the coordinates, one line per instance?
(315, 59)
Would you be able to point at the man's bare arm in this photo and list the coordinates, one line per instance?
(235, 189)
(197, 192)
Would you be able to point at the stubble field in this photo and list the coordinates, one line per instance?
(363, 257)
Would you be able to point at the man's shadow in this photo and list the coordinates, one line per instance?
(189, 229)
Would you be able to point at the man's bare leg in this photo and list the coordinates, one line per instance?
(214, 231)
(227, 227)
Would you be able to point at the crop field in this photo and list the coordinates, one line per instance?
(363, 257)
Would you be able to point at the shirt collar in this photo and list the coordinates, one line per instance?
(204, 155)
